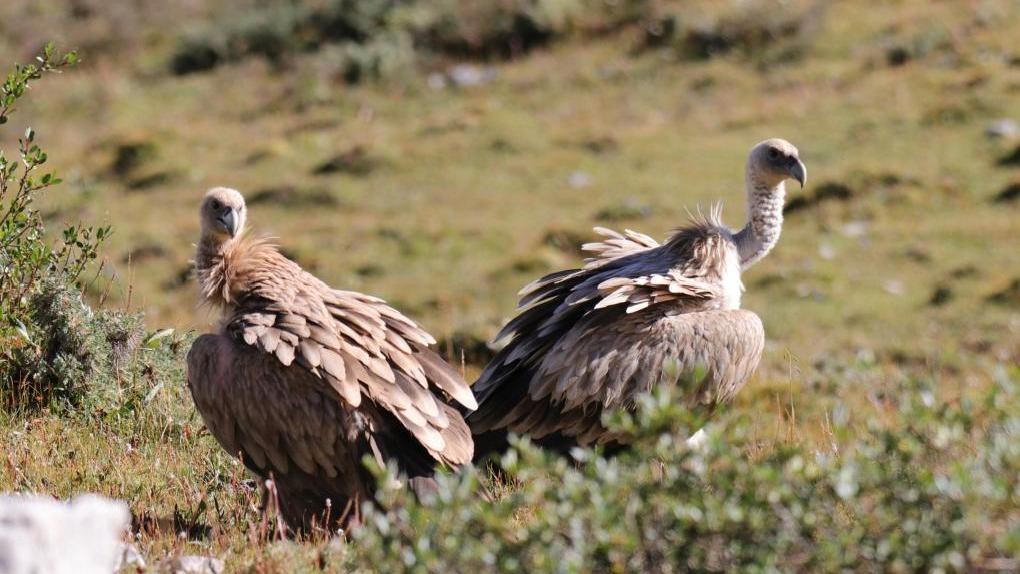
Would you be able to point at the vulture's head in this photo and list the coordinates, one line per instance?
(222, 214)
(775, 160)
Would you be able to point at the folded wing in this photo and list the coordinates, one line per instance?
(594, 338)
(358, 346)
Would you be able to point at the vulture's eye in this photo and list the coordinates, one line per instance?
(216, 204)
(773, 153)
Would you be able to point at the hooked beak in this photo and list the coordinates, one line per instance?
(798, 171)
(228, 221)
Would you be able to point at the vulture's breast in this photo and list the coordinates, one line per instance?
(729, 277)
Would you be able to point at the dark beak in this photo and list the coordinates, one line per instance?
(228, 221)
(797, 171)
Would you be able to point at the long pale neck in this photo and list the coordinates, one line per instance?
(209, 252)
(764, 220)
(211, 270)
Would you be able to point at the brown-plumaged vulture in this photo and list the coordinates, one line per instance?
(591, 339)
(302, 380)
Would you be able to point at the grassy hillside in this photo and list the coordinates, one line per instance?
(897, 262)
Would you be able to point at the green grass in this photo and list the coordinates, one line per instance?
(466, 185)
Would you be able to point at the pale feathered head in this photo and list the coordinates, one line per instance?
(222, 214)
(775, 160)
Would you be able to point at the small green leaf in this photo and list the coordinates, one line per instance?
(153, 340)
(23, 331)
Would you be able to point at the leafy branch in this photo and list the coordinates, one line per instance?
(25, 254)
(18, 81)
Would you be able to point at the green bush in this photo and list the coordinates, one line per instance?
(25, 257)
(938, 495)
(380, 38)
(71, 355)
(384, 56)
(766, 31)
(54, 350)
(482, 29)
(277, 31)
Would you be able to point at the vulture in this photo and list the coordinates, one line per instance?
(637, 315)
(302, 381)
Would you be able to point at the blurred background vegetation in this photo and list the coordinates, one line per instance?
(441, 154)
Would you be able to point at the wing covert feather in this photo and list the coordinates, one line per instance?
(593, 338)
(355, 343)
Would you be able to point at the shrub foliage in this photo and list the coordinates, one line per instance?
(53, 346)
(24, 255)
(381, 38)
(378, 38)
(938, 493)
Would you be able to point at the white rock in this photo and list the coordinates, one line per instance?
(826, 251)
(579, 179)
(1003, 128)
(129, 556)
(40, 535)
(466, 75)
(893, 287)
(855, 229)
(193, 565)
(437, 81)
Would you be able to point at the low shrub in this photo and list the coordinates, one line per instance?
(54, 349)
(25, 257)
(384, 56)
(480, 29)
(383, 38)
(765, 31)
(935, 492)
(71, 356)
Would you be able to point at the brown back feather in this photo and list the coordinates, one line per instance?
(577, 342)
(355, 343)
